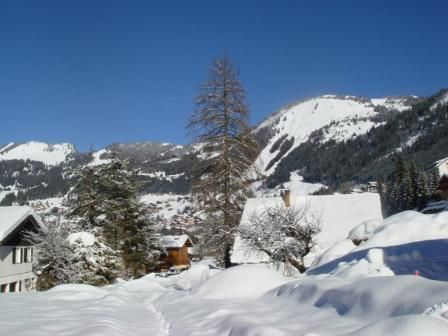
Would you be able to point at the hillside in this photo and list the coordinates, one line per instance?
(328, 140)
(36, 170)
(419, 134)
(37, 151)
(339, 117)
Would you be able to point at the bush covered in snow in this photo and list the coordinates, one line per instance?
(285, 234)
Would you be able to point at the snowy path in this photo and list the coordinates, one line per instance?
(83, 310)
(249, 300)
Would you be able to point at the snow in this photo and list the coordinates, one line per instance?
(366, 290)
(171, 204)
(250, 300)
(403, 244)
(6, 147)
(254, 280)
(364, 230)
(50, 154)
(393, 103)
(336, 251)
(161, 175)
(338, 215)
(174, 241)
(442, 166)
(85, 238)
(407, 227)
(345, 117)
(443, 100)
(295, 184)
(300, 188)
(12, 216)
(97, 160)
(4, 193)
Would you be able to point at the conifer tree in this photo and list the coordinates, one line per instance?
(86, 201)
(423, 191)
(105, 199)
(220, 124)
(127, 223)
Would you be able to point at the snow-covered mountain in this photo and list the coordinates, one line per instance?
(338, 117)
(49, 154)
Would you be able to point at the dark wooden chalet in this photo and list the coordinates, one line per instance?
(175, 252)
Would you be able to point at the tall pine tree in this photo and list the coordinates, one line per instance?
(220, 124)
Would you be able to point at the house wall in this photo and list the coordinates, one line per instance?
(443, 168)
(179, 256)
(176, 257)
(19, 273)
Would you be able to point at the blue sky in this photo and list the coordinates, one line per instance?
(97, 72)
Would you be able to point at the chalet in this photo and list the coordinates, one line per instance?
(442, 188)
(442, 168)
(175, 251)
(16, 254)
(338, 215)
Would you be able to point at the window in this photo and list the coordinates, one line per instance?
(3, 288)
(25, 253)
(22, 255)
(17, 255)
(13, 286)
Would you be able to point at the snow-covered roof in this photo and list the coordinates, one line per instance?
(175, 241)
(442, 166)
(13, 216)
(338, 214)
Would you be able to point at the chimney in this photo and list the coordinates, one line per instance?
(286, 195)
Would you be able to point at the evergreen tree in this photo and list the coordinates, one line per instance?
(127, 226)
(409, 188)
(434, 181)
(85, 201)
(413, 180)
(423, 190)
(220, 123)
(106, 203)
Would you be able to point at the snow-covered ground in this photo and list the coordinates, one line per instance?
(295, 184)
(169, 204)
(370, 290)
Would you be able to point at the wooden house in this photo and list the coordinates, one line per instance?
(16, 253)
(175, 252)
(442, 188)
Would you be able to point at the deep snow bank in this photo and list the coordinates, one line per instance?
(406, 243)
(244, 281)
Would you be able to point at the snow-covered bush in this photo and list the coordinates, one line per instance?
(53, 259)
(96, 263)
(286, 235)
(65, 256)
